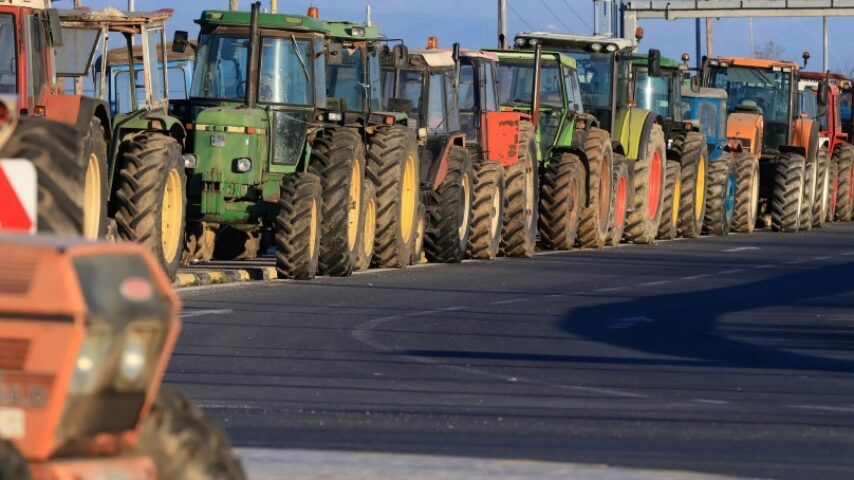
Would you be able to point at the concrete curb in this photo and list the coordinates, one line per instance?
(196, 278)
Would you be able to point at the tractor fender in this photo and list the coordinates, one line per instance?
(633, 128)
(745, 128)
(806, 136)
(793, 149)
(77, 111)
(440, 169)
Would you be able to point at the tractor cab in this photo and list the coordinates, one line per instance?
(706, 110)
(659, 91)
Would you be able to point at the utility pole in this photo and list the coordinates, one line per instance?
(826, 59)
(233, 6)
(752, 44)
(274, 6)
(131, 5)
(709, 41)
(698, 44)
(78, 81)
(502, 24)
(368, 21)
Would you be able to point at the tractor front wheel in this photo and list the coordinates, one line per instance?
(746, 192)
(448, 211)
(561, 201)
(13, 465)
(487, 211)
(720, 195)
(96, 188)
(298, 226)
(810, 190)
(521, 183)
(669, 226)
(593, 231)
(843, 157)
(788, 192)
(369, 227)
(151, 197)
(822, 194)
(617, 222)
(693, 156)
(648, 187)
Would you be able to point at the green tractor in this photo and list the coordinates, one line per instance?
(660, 91)
(604, 76)
(573, 161)
(268, 155)
(387, 146)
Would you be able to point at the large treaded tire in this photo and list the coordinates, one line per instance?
(561, 202)
(595, 218)
(369, 227)
(52, 147)
(390, 149)
(788, 192)
(746, 192)
(521, 198)
(338, 158)
(448, 210)
(693, 154)
(487, 213)
(669, 226)
(93, 155)
(234, 244)
(152, 162)
(811, 179)
(617, 223)
(720, 196)
(13, 465)
(822, 194)
(184, 443)
(844, 198)
(646, 195)
(298, 226)
(834, 188)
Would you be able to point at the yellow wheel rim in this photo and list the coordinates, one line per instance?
(355, 206)
(370, 228)
(699, 188)
(677, 197)
(312, 230)
(464, 225)
(408, 192)
(171, 213)
(92, 201)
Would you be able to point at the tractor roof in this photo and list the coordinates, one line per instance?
(435, 58)
(822, 76)
(574, 41)
(716, 93)
(642, 59)
(34, 4)
(353, 31)
(755, 62)
(119, 56)
(113, 19)
(529, 55)
(490, 56)
(274, 21)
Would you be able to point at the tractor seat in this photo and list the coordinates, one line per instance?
(749, 105)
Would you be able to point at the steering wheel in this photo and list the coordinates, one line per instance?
(241, 88)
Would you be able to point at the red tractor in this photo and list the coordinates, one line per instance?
(821, 99)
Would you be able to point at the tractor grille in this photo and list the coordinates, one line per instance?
(16, 274)
(13, 353)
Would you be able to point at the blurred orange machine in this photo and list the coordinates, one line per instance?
(86, 332)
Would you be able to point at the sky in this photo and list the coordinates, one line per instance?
(473, 23)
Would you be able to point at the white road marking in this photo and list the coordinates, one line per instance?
(629, 322)
(761, 267)
(695, 277)
(711, 402)
(652, 284)
(611, 289)
(824, 408)
(452, 309)
(822, 258)
(505, 302)
(740, 249)
(848, 254)
(730, 272)
(199, 313)
(794, 262)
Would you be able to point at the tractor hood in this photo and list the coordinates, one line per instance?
(224, 136)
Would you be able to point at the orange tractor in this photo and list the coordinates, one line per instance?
(777, 150)
(86, 332)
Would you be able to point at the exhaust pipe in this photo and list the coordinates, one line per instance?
(535, 108)
(254, 54)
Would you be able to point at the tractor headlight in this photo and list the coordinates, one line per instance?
(611, 47)
(334, 116)
(520, 42)
(91, 359)
(243, 165)
(596, 47)
(134, 359)
(190, 160)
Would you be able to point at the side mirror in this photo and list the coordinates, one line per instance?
(822, 93)
(54, 28)
(180, 41)
(334, 54)
(402, 105)
(654, 65)
(401, 55)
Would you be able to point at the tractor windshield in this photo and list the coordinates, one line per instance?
(595, 74)
(286, 74)
(8, 57)
(345, 81)
(752, 88)
(516, 84)
(654, 93)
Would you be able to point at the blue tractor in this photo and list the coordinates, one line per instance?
(706, 109)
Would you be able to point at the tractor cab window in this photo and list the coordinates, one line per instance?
(436, 114)
(221, 69)
(845, 102)
(489, 87)
(375, 78)
(516, 87)
(468, 100)
(286, 65)
(8, 56)
(36, 75)
(74, 57)
(653, 93)
(156, 41)
(345, 82)
(572, 90)
(410, 86)
(595, 75)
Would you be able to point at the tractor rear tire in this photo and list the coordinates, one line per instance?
(811, 179)
(832, 192)
(561, 202)
(449, 211)
(418, 256)
(693, 155)
(13, 465)
(53, 148)
(844, 187)
(595, 218)
(338, 158)
(369, 227)
(184, 443)
(487, 211)
(720, 196)
(617, 223)
(151, 196)
(298, 226)
(199, 243)
(521, 198)
(96, 191)
(822, 194)
(234, 244)
(788, 192)
(668, 229)
(393, 167)
(746, 192)
(647, 190)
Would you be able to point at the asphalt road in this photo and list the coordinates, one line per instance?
(721, 355)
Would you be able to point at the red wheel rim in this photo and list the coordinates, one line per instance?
(654, 184)
(620, 208)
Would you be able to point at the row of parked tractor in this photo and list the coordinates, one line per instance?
(342, 149)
